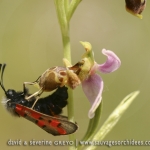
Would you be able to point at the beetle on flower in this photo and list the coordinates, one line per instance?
(92, 83)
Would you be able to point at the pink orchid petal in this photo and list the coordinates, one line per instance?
(93, 87)
(112, 63)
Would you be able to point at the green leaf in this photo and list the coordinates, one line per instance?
(72, 8)
(113, 119)
(93, 125)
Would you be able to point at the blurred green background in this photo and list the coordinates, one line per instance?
(30, 42)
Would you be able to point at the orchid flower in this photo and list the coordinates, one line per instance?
(92, 83)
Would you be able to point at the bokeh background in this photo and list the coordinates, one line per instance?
(30, 42)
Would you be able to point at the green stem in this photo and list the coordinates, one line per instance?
(64, 12)
(61, 13)
(61, 9)
(66, 4)
(64, 26)
(66, 46)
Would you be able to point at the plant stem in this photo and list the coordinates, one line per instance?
(61, 8)
(65, 11)
(64, 26)
(66, 4)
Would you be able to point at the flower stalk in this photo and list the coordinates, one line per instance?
(65, 11)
